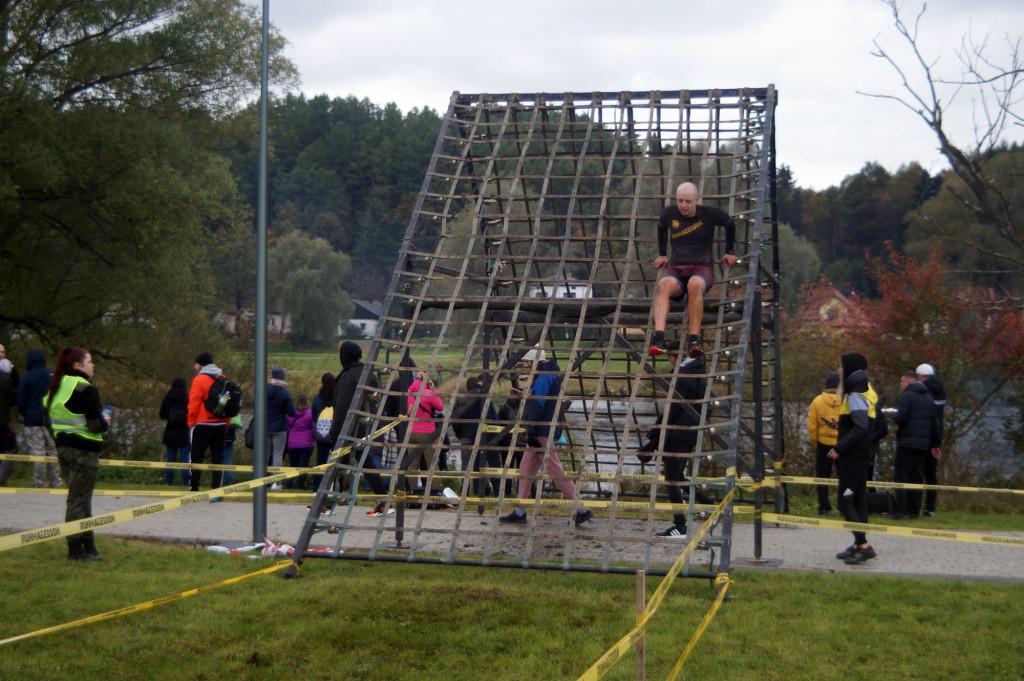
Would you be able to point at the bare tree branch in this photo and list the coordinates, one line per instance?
(998, 90)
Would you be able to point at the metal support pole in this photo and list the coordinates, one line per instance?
(259, 451)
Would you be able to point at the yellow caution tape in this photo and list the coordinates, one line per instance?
(571, 473)
(832, 482)
(595, 504)
(135, 463)
(722, 581)
(621, 647)
(662, 589)
(608, 660)
(143, 606)
(52, 532)
(745, 482)
(897, 530)
(489, 428)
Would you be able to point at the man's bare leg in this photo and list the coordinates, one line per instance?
(668, 287)
(695, 314)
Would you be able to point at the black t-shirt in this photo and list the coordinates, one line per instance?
(692, 238)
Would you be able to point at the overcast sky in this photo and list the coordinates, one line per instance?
(817, 53)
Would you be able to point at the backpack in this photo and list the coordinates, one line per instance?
(224, 400)
(323, 426)
(177, 415)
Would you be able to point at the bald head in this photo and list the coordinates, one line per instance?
(687, 199)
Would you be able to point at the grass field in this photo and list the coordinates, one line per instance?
(358, 620)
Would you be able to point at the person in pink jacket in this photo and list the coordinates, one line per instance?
(422, 402)
(301, 438)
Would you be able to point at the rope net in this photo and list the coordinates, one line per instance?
(535, 228)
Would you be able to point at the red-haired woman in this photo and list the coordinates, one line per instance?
(76, 418)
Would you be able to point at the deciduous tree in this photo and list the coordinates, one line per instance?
(992, 77)
(111, 190)
(306, 279)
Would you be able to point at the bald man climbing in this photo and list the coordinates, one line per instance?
(690, 228)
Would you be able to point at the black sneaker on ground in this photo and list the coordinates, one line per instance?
(657, 345)
(673, 532)
(847, 552)
(513, 517)
(693, 342)
(583, 516)
(861, 555)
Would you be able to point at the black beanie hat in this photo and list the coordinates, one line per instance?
(853, 362)
(349, 353)
(832, 380)
(204, 359)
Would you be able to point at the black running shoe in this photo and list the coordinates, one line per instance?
(673, 532)
(583, 516)
(513, 517)
(861, 555)
(847, 552)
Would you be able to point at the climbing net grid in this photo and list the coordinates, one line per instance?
(535, 228)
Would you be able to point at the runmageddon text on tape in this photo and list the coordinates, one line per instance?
(17, 539)
(900, 531)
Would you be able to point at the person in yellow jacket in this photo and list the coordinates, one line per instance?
(823, 430)
(76, 418)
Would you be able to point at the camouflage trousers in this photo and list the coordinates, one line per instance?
(40, 443)
(79, 469)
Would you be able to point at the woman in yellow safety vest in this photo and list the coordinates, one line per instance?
(77, 419)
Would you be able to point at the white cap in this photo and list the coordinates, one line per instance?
(925, 370)
(535, 354)
(6, 365)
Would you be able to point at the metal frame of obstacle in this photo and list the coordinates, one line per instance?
(536, 224)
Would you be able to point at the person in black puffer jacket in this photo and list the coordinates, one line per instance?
(918, 436)
(926, 374)
(690, 385)
(177, 439)
(852, 451)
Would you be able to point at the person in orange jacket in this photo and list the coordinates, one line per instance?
(207, 430)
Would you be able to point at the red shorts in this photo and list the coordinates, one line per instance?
(682, 274)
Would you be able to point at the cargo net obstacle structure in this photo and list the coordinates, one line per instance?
(536, 227)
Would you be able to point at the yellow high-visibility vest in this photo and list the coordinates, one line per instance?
(62, 419)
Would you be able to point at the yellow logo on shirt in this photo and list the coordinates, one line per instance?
(684, 232)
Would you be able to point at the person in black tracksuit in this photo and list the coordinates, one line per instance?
(852, 451)
(689, 386)
(926, 374)
(345, 386)
(917, 436)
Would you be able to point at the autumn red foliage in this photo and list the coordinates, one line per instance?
(921, 314)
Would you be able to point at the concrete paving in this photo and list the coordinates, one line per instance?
(784, 547)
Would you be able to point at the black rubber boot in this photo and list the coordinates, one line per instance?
(89, 551)
(75, 551)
